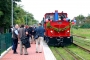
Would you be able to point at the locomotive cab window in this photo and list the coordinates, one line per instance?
(49, 17)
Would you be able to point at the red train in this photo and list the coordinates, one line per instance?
(58, 29)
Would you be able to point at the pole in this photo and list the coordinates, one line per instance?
(31, 22)
(12, 13)
(26, 19)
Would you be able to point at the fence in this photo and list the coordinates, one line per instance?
(5, 42)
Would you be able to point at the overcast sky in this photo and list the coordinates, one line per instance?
(73, 7)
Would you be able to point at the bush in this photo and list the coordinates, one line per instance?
(86, 25)
(75, 26)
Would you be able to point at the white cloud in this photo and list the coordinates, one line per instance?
(73, 7)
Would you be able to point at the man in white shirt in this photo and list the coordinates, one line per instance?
(15, 38)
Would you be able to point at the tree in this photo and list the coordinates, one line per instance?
(19, 14)
(1, 13)
(86, 22)
(5, 13)
(87, 19)
(80, 19)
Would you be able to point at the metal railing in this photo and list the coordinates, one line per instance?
(5, 42)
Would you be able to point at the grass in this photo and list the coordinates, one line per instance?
(55, 54)
(80, 52)
(85, 55)
(82, 42)
(75, 49)
(82, 32)
(63, 52)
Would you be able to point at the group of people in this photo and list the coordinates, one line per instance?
(27, 34)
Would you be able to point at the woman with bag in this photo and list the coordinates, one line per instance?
(24, 40)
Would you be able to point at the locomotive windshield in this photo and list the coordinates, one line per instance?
(62, 16)
(51, 16)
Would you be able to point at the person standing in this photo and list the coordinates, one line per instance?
(11, 31)
(22, 33)
(40, 32)
(15, 38)
(33, 34)
(30, 34)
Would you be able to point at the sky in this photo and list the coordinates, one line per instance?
(72, 7)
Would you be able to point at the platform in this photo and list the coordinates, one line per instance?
(45, 55)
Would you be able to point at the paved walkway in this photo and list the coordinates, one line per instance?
(32, 55)
(45, 55)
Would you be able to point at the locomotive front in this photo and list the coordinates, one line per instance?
(57, 29)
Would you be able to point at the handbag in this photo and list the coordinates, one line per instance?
(24, 40)
(36, 36)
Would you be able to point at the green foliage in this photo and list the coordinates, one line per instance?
(86, 25)
(82, 32)
(88, 17)
(23, 17)
(18, 14)
(48, 25)
(75, 26)
(18, 0)
(5, 13)
(1, 13)
(57, 29)
(87, 21)
(80, 17)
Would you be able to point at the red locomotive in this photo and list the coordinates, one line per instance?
(57, 27)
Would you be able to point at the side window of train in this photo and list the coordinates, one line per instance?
(59, 17)
(47, 16)
(65, 15)
(52, 17)
(43, 19)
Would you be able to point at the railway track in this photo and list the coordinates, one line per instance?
(83, 40)
(80, 36)
(81, 47)
(82, 43)
(69, 53)
(59, 54)
(74, 55)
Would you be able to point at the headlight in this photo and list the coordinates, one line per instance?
(68, 31)
(68, 37)
(51, 31)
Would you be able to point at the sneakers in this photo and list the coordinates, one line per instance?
(15, 53)
(21, 54)
(36, 51)
(40, 52)
(25, 54)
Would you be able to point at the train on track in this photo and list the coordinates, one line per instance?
(57, 29)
